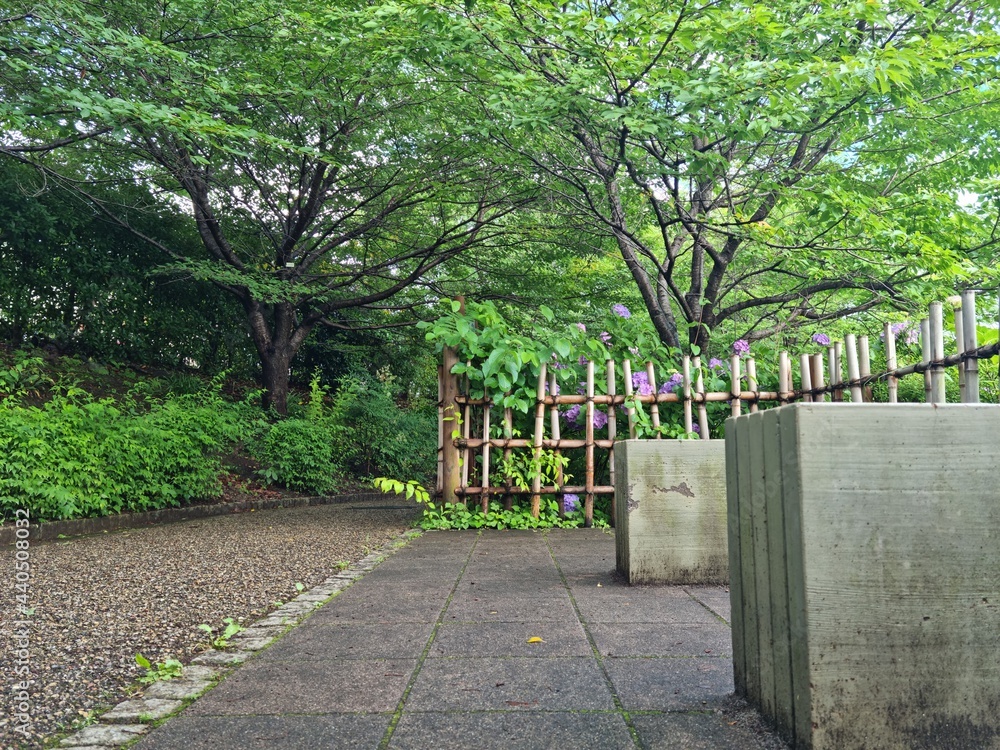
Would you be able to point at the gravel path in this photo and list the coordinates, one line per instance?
(100, 600)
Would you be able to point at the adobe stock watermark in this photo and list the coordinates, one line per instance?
(20, 639)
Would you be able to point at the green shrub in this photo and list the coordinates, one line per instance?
(77, 457)
(298, 453)
(378, 437)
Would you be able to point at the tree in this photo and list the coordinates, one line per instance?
(322, 176)
(758, 165)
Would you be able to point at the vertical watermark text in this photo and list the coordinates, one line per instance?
(20, 640)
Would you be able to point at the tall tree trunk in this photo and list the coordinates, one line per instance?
(277, 342)
(275, 377)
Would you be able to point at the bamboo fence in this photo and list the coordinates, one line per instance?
(821, 377)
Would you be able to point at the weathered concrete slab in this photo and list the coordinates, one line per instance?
(670, 514)
(891, 565)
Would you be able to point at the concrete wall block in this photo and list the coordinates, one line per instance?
(671, 511)
(891, 562)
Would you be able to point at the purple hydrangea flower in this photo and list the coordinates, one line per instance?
(821, 338)
(634, 351)
(556, 364)
(621, 311)
(672, 382)
(605, 337)
(741, 347)
(640, 382)
(582, 361)
(913, 335)
(571, 503)
(696, 428)
(897, 328)
(572, 414)
(547, 388)
(715, 363)
(582, 327)
(600, 419)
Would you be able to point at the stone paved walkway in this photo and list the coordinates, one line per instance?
(437, 648)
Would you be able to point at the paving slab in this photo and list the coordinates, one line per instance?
(617, 639)
(551, 608)
(665, 606)
(512, 731)
(270, 733)
(378, 607)
(470, 684)
(692, 731)
(715, 598)
(511, 639)
(267, 686)
(319, 639)
(671, 684)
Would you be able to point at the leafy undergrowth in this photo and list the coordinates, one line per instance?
(79, 439)
(443, 516)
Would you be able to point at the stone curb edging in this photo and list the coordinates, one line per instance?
(133, 717)
(79, 526)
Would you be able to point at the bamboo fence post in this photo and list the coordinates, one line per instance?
(853, 372)
(752, 384)
(805, 377)
(971, 344)
(831, 370)
(925, 350)
(688, 415)
(890, 363)
(588, 507)
(838, 371)
(784, 381)
(556, 435)
(536, 482)
(451, 474)
(508, 434)
(865, 364)
(654, 407)
(817, 377)
(735, 386)
(699, 387)
(937, 352)
(629, 407)
(484, 500)
(612, 431)
(439, 484)
(960, 349)
(466, 433)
